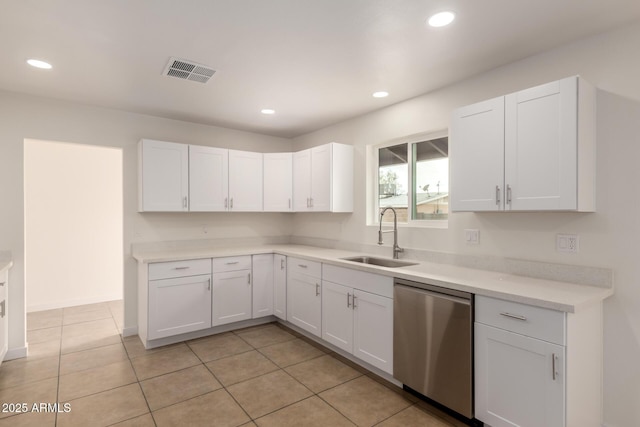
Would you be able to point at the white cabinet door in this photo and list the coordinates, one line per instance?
(278, 182)
(245, 181)
(262, 267)
(280, 286)
(304, 302)
(163, 180)
(321, 162)
(179, 305)
(373, 329)
(541, 126)
(231, 297)
(337, 315)
(302, 181)
(477, 157)
(519, 381)
(208, 178)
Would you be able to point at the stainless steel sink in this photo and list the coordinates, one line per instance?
(382, 262)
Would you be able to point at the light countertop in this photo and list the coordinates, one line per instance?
(562, 296)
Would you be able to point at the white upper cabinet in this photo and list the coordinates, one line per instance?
(302, 181)
(477, 156)
(179, 177)
(163, 176)
(533, 150)
(323, 179)
(245, 181)
(208, 178)
(278, 182)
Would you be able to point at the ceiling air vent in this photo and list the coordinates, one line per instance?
(188, 70)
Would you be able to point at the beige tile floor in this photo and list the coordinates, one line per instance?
(266, 376)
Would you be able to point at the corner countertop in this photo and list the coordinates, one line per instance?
(562, 296)
(5, 261)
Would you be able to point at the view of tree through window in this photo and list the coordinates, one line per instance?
(426, 191)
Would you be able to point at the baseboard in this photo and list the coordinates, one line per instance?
(72, 303)
(131, 331)
(17, 353)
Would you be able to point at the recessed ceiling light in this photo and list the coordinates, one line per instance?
(39, 64)
(267, 111)
(441, 19)
(380, 94)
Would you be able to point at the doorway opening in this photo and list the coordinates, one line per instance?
(73, 225)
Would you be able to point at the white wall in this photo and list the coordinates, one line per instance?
(607, 237)
(73, 224)
(30, 117)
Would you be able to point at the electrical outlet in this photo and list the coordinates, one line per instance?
(472, 236)
(567, 243)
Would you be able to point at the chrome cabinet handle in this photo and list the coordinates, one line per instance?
(248, 278)
(3, 311)
(226, 202)
(497, 195)
(302, 265)
(231, 262)
(289, 203)
(554, 373)
(348, 302)
(513, 316)
(317, 289)
(231, 204)
(282, 264)
(508, 194)
(181, 268)
(209, 284)
(184, 202)
(353, 301)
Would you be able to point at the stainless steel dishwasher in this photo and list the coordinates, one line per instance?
(433, 343)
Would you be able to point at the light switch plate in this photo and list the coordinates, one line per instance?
(472, 236)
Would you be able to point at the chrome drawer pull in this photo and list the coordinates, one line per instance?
(231, 262)
(554, 373)
(514, 316)
(181, 268)
(302, 265)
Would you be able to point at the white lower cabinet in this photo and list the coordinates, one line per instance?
(304, 300)
(262, 268)
(357, 321)
(280, 286)
(179, 295)
(515, 380)
(232, 290)
(537, 367)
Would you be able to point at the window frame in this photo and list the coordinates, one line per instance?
(372, 196)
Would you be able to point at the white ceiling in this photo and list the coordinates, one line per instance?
(316, 62)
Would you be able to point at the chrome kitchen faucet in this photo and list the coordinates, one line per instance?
(396, 249)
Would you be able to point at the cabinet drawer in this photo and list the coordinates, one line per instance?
(303, 266)
(535, 322)
(232, 263)
(190, 267)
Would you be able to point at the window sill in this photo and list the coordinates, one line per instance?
(438, 224)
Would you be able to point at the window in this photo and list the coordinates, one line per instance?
(413, 178)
